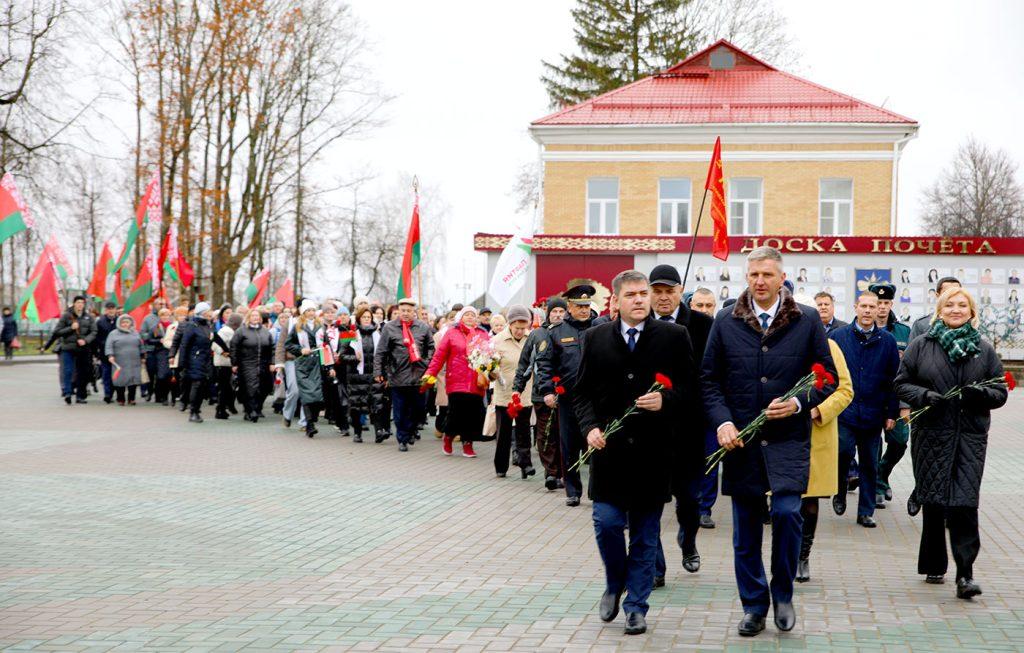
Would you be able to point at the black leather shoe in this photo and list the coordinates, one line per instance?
(691, 561)
(609, 608)
(67, 399)
(635, 624)
(803, 571)
(659, 581)
(194, 417)
(500, 474)
(527, 471)
(311, 431)
(935, 579)
(751, 624)
(706, 521)
(880, 501)
(913, 507)
(357, 438)
(785, 616)
(966, 588)
(839, 503)
(887, 494)
(81, 401)
(403, 446)
(550, 482)
(572, 502)
(866, 522)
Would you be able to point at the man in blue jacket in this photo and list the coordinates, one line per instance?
(757, 351)
(873, 358)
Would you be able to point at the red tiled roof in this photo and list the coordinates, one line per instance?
(691, 92)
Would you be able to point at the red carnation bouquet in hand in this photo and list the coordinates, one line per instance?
(818, 378)
(515, 405)
(661, 382)
(1005, 380)
(559, 391)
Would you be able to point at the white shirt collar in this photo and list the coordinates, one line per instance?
(625, 327)
(770, 311)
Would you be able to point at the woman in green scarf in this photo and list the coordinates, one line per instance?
(950, 439)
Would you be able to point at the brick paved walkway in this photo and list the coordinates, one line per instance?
(129, 529)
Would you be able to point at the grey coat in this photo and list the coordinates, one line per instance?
(125, 346)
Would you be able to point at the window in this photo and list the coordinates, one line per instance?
(603, 205)
(674, 206)
(745, 207)
(835, 207)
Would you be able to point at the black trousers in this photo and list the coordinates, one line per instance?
(964, 540)
(196, 393)
(520, 426)
(549, 447)
(225, 395)
(119, 391)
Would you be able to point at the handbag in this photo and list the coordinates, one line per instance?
(15, 343)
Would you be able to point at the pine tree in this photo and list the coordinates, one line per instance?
(620, 41)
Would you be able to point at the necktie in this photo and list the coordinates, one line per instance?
(764, 321)
(666, 318)
(631, 343)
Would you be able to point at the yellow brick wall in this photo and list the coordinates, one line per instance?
(789, 193)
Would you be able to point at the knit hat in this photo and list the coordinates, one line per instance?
(463, 311)
(202, 308)
(555, 302)
(519, 312)
(307, 305)
(343, 310)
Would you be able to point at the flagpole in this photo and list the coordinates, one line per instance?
(419, 267)
(693, 239)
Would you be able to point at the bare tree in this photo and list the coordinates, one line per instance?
(977, 195)
(526, 189)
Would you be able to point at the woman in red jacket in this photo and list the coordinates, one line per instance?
(465, 393)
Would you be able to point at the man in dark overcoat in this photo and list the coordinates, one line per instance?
(757, 351)
(631, 470)
(688, 478)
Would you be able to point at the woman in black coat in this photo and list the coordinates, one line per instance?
(301, 343)
(195, 357)
(950, 439)
(365, 394)
(252, 359)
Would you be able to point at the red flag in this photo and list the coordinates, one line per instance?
(412, 254)
(41, 301)
(257, 287)
(286, 294)
(715, 183)
(98, 284)
(147, 282)
(172, 262)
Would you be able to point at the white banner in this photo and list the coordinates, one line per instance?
(513, 264)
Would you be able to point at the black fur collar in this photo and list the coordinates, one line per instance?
(788, 312)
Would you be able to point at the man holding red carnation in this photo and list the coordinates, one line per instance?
(757, 351)
(643, 369)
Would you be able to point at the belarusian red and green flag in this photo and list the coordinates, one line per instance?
(411, 258)
(147, 283)
(258, 287)
(172, 264)
(286, 294)
(148, 210)
(54, 255)
(41, 301)
(14, 214)
(104, 267)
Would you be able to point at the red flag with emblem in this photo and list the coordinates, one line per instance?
(715, 183)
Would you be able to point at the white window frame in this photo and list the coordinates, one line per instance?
(675, 209)
(835, 207)
(604, 204)
(746, 202)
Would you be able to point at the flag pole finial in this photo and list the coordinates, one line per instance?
(415, 184)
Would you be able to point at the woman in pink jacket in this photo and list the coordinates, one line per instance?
(465, 396)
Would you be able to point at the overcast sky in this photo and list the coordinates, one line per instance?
(465, 76)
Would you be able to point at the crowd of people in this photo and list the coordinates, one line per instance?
(558, 378)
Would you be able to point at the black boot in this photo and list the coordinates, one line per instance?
(196, 418)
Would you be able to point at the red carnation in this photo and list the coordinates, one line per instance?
(559, 390)
(663, 381)
(556, 380)
(829, 379)
(1011, 382)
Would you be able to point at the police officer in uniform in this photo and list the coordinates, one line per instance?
(897, 437)
(561, 358)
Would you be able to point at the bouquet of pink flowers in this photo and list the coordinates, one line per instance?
(483, 358)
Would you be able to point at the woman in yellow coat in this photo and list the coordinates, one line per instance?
(824, 476)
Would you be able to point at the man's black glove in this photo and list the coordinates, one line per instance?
(932, 398)
(973, 397)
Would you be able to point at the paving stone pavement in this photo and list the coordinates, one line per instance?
(128, 529)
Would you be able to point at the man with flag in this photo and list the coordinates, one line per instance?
(76, 331)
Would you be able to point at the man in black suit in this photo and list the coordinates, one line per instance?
(688, 479)
(631, 470)
(826, 305)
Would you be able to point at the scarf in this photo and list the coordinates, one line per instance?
(958, 343)
(409, 342)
